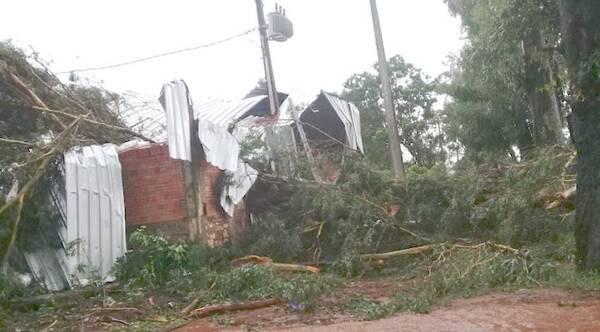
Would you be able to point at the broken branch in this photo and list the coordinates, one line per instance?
(565, 196)
(329, 136)
(397, 253)
(211, 309)
(136, 310)
(284, 267)
(35, 99)
(59, 145)
(95, 123)
(190, 307)
(14, 141)
(120, 321)
(13, 237)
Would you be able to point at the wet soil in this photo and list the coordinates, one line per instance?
(543, 309)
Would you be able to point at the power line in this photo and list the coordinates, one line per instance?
(160, 55)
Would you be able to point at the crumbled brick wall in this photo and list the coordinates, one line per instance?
(240, 222)
(211, 205)
(153, 186)
(154, 191)
(216, 223)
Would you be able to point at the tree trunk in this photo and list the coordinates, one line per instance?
(540, 86)
(581, 42)
(587, 215)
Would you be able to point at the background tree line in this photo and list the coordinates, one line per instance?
(526, 79)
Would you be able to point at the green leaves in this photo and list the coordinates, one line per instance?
(491, 87)
(414, 96)
(153, 261)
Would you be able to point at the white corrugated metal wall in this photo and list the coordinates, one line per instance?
(95, 234)
(176, 103)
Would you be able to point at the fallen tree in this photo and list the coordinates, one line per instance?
(40, 119)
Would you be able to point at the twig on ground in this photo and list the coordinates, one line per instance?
(190, 306)
(47, 328)
(260, 260)
(211, 309)
(397, 253)
(14, 141)
(136, 310)
(120, 321)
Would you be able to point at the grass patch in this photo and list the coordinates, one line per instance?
(418, 304)
(369, 309)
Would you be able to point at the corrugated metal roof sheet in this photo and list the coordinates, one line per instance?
(223, 112)
(350, 117)
(48, 266)
(220, 147)
(174, 98)
(242, 180)
(95, 227)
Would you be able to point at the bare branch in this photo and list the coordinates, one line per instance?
(14, 141)
(95, 123)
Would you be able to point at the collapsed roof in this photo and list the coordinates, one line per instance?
(222, 125)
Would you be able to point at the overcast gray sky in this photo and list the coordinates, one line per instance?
(333, 39)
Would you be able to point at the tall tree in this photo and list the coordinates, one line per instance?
(413, 94)
(581, 43)
(538, 31)
(509, 51)
(488, 112)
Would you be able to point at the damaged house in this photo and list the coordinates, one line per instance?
(194, 186)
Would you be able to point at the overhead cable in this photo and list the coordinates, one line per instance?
(152, 57)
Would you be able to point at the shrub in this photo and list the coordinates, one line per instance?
(304, 289)
(271, 236)
(249, 281)
(153, 260)
(467, 270)
(418, 304)
(368, 309)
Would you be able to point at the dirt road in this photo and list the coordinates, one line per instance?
(530, 310)
(525, 310)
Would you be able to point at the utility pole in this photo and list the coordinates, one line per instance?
(266, 54)
(390, 115)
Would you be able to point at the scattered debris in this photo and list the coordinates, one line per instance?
(284, 267)
(214, 308)
(120, 321)
(403, 252)
(185, 311)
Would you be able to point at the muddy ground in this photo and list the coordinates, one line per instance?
(539, 309)
(543, 309)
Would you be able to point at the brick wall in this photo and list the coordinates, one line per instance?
(153, 186)
(211, 204)
(215, 221)
(154, 191)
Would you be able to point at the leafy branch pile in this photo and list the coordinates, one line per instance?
(476, 228)
(41, 118)
(367, 212)
(195, 270)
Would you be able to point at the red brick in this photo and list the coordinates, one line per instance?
(152, 185)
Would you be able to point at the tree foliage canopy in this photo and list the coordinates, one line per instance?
(414, 97)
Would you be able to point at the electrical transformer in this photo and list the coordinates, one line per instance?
(280, 28)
